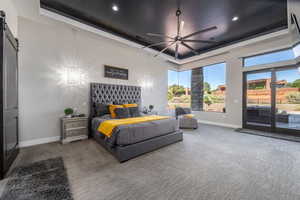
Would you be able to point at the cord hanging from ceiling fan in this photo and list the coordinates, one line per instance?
(179, 40)
(294, 20)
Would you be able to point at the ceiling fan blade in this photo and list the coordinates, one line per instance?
(201, 31)
(176, 51)
(159, 35)
(178, 25)
(190, 48)
(156, 44)
(165, 48)
(201, 41)
(181, 28)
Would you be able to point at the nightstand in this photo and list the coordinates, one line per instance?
(73, 129)
(151, 113)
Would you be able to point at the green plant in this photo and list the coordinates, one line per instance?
(293, 97)
(208, 99)
(185, 99)
(151, 107)
(296, 83)
(207, 87)
(176, 90)
(170, 95)
(69, 111)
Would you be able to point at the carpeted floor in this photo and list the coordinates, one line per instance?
(212, 163)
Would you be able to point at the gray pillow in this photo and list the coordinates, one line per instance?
(101, 109)
(122, 113)
(106, 116)
(134, 112)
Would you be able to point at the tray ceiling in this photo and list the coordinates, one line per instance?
(135, 18)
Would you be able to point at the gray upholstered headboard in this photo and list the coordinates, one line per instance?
(113, 94)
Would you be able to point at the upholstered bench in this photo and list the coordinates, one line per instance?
(186, 119)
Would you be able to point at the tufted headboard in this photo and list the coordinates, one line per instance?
(113, 94)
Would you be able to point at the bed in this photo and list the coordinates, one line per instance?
(131, 140)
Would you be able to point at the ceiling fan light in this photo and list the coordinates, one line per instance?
(235, 18)
(115, 8)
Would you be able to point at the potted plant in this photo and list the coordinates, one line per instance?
(151, 107)
(68, 112)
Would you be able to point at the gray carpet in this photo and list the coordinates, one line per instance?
(212, 163)
(43, 180)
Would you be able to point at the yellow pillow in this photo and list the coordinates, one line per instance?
(130, 105)
(112, 110)
(188, 115)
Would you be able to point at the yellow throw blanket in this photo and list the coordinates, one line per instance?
(108, 126)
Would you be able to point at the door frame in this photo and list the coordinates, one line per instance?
(272, 127)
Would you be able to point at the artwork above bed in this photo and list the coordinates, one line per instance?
(115, 72)
(113, 94)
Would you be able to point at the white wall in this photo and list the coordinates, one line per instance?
(234, 78)
(11, 15)
(47, 47)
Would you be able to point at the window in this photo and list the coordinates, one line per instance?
(179, 89)
(268, 58)
(214, 87)
(202, 89)
(208, 88)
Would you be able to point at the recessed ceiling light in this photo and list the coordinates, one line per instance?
(235, 18)
(115, 8)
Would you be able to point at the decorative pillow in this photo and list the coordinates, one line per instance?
(106, 116)
(189, 116)
(112, 110)
(101, 109)
(122, 113)
(130, 105)
(134, 112)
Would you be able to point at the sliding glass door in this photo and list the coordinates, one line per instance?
(259, 99)
(272, 100)
(288, 99)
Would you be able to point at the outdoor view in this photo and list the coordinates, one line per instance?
(179, 92)
(287, 98)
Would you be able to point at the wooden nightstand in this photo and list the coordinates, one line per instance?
(73, 129)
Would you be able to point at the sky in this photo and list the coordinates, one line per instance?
(270, 58)
(215, 74)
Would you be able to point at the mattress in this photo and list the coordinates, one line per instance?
(133, 133)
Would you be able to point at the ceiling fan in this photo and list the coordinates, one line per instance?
(179, 39)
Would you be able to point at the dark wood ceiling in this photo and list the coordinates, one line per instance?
(135, 18)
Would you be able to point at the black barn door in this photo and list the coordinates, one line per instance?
(9, 99)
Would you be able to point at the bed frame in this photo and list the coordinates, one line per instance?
(120, 94)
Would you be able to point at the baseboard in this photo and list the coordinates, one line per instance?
(57, 138)
(28, 143)
(219, 124)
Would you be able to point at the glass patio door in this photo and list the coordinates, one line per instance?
(258, 108)
(288, 99)
(272, 100)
